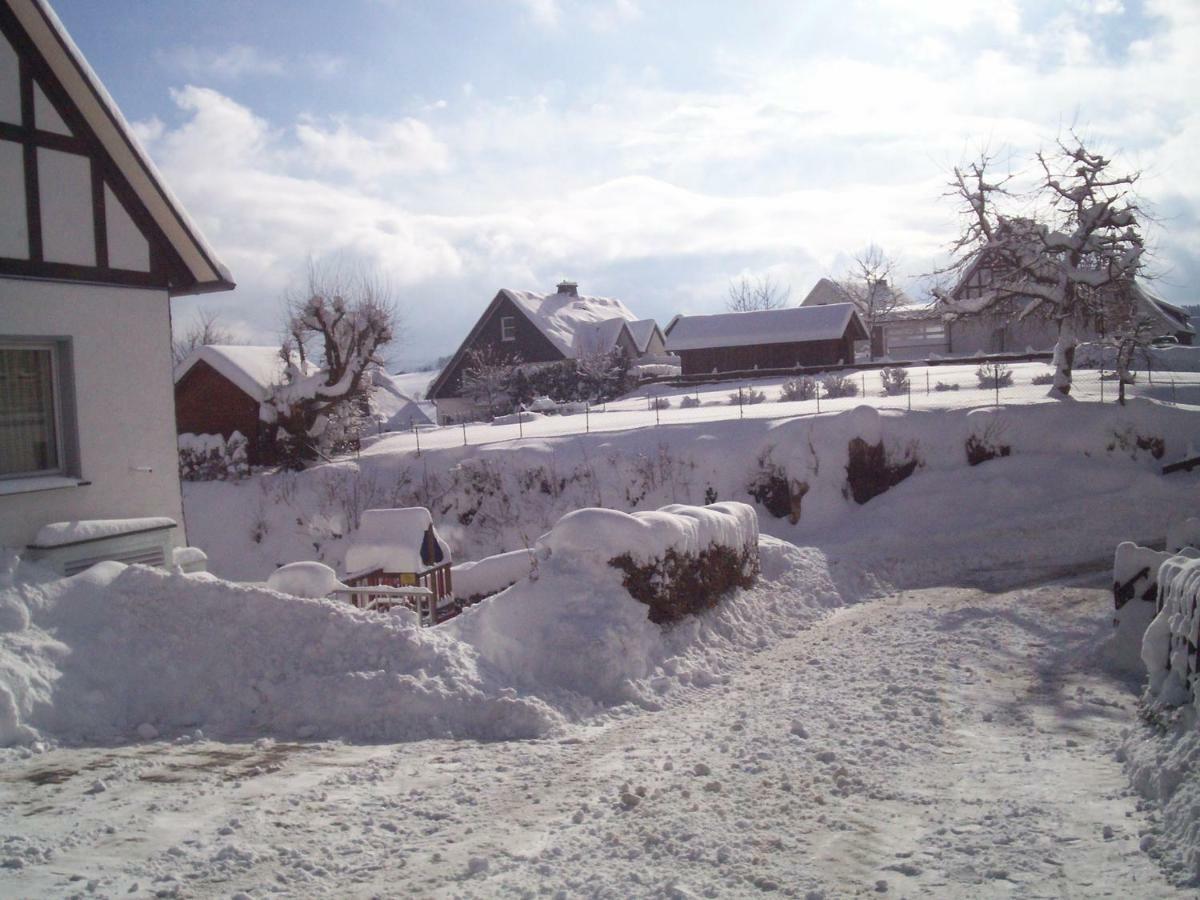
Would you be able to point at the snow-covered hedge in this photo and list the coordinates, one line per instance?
(1135, 595)
(678, 560)
(209, 457)
(1169, 647)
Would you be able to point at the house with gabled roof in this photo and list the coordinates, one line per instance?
(787, 338)
(535, 328)
(92, 248)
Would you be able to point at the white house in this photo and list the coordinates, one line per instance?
(92, 248)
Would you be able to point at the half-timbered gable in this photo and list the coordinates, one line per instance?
(92, 247)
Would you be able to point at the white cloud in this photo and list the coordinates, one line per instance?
(229, 64)
(405, 147)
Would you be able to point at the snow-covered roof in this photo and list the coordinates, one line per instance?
(1172, 318)
(397, 409)
(769, 326)
(563, 317)
(394, 540)
(827, 291)
(642, 330)
(100, 111)
(599, 337)
(253, 369)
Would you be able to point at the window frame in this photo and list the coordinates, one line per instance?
(62, 390)
(508, 328)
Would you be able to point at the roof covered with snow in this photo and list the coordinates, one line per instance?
(768, 326)
(569, 321)
(82, 84)
(254, 369)
(827, 291)
(394, 540)
(641, 330)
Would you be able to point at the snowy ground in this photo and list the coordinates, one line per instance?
(636, 410)
(941, 742)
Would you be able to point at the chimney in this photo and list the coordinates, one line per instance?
(569, 287)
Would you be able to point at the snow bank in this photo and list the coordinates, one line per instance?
(91, 658)
(305, 579)
(491, 575)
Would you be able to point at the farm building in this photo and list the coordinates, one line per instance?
(92, 248)
(219, 389)
(544, 328)
(767, 339)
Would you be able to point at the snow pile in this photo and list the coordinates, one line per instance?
(575, 629)
(491, 575)
(1135, 594)
(92, 658)
(305, 579)
(601, 535)
(1169, 645)
(210, 457)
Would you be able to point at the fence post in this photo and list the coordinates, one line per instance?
(656, 419)
(417, 435)
(464, 427)
(520, 423)
(817, 391)
(864, 382)
(1101, 370)
(587, 417)
(909, 396)
(741, 413)
(996, 373)
(927, 382)
(1173, 400)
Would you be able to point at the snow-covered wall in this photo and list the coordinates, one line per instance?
(124, 411)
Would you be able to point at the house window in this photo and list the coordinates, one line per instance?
(31, 410)
(508, 328)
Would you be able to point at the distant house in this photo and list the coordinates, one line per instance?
(767, 339)
(92, 248)
(544, 328)
(875, 301)
(220, 388)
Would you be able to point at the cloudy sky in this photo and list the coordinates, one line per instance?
(651, 150)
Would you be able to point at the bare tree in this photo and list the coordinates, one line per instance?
(205, 329)
(869, 285)
(763, 292)
(340, 320)
(1074, 259)
(487, 378)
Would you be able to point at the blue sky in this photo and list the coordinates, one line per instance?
(653, 151)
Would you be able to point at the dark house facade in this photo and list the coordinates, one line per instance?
(537, 328)
(767, 339)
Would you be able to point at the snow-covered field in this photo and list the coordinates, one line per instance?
(919, 697)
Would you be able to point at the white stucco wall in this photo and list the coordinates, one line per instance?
(124, 399)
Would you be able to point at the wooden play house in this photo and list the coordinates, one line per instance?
(399, 548)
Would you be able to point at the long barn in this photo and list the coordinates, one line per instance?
(767, 339)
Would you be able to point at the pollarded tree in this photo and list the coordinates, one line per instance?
(1073, 259)
(336, 326)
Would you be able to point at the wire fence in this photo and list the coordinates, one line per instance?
(912, 386)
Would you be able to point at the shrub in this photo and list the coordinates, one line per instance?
(746, 397)
(994, 375)
(1044, 378)
(802, 388)
(944, 386)
(839, 386)
(662, 403)
(895, 381)
(869, 472)
(209, 457)
(689, 402)
(678, 585)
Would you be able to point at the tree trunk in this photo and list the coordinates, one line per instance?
(1064, 358)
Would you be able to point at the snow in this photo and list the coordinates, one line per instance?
(491, 574)
(1138, 567)
(393, 407)
(58, 534)
(254, 369)
(305, 579)
(1165, 652)
(391, 540)
(771, 326)
(1184, 533)
(642, 330)
(563, 317)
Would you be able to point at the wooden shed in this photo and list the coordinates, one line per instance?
(401, 548)
(767, 339)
